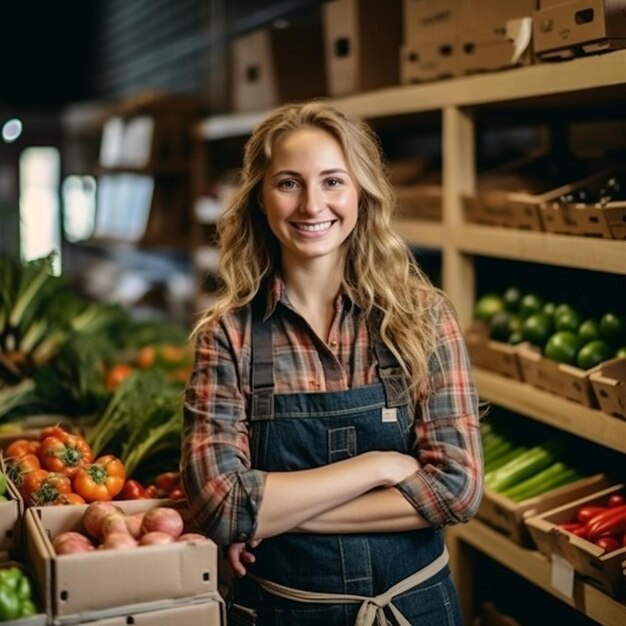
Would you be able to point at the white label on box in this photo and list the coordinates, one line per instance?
(562, 576)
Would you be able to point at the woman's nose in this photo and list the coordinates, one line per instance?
(312, 202)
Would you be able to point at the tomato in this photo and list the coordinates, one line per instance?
(582, 532)
(52, 431)
(154, 492)
(41, 487)
(69, 498)
(64, 455)
(101, 480)
(167, 481)
(177, 494)
(133, 490)
(146, 357)
(19, 447)
(117, 375)
(617, 499)
(21, 466)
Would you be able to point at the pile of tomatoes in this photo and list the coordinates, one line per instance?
(59, 468)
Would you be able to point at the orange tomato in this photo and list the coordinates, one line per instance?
(117, 375)
(101, 480)
(146, 357)
(64, 455)
(19, 447)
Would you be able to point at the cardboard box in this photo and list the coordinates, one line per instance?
(567, 381)
(200, 611)
(609, 385)
(420, 201)
(361, 41)
(492, 48)
(510, 517)
(495, 356)
(432, 20)
(423, 61)
(11, 512)
(113, 579)
(579, 27)
(267, 70)
(587, 559)
(495, 13)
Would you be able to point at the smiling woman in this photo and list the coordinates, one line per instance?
(330, 418)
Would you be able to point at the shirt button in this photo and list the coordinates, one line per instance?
(242, 536)
(333, 343)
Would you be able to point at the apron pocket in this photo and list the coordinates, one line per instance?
(329, 615)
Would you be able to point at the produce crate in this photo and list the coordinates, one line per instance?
(31, 427)
(39, 619)
(420, 201)
(561, 379)
(206, 610)
(123, 578)
(587, 559)
(509, 209)
(609, 386)
(604, 218)
(11, 513)
(495, 356)
(509, 517)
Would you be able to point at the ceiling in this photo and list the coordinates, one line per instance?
(46, 47)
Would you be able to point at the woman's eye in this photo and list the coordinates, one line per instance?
(333, 182)
(288, 183)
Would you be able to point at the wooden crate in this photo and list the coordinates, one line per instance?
(495, 356)
(609, 386)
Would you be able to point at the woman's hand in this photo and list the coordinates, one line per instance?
(397, 466)
(238, 553)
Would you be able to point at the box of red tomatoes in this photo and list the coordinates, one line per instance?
(589, 533)
(115, 556)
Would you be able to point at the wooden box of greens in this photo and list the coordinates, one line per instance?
(509, 517)
(73, 584)
(609, 385)
(420, 201)
(495, 356)
(564, 380)
(587, 559)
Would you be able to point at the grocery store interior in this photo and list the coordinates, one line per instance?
(123, 123)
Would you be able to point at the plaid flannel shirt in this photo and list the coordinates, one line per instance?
(225, 491)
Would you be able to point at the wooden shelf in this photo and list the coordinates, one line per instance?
(604, 255)
(533, 566)
(550, 409)
(424, 233)
(543, 81)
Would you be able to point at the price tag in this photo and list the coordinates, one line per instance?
(562, 576)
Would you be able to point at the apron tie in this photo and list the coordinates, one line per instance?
(371, 610)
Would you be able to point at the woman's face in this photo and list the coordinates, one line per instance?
(309, 196)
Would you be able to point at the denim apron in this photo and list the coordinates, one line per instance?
(305, 430)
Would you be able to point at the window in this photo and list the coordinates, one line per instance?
(40, 231)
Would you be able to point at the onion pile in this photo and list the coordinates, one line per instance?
(107, 527)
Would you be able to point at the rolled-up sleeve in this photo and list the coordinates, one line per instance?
(223, 491)
(448, 487)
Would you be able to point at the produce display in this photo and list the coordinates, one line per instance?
(16, 594)
(107, 527)
(521, 471)
(560, 330)
(118, 379)
(604, 526)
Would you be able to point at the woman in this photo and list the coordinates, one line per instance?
(331, 423)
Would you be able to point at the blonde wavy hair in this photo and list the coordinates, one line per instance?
(380, 272)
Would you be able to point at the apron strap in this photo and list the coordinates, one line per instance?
(392, 376)
(262, 371)
(261, 400)
(371, 610)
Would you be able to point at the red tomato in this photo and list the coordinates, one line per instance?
(133, 490)
(608, 544)
(168, 481)
(587, 513)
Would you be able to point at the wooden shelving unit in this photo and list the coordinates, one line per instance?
(533, 566)
(546, 89)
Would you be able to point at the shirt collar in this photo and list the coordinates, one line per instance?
(277, 294)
